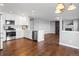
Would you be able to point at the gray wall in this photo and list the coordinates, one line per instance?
(52, 26)
(47, 26)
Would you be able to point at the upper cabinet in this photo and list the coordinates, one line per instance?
(19, 20)
(9, 16)
(22, 20)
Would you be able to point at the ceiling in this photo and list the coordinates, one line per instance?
(43, 11)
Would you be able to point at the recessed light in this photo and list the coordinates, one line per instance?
(1, 4)
(10, 11)
(33, 11)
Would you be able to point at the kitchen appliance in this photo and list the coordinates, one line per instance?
(9, 22)
(35, 35)
(9, 27)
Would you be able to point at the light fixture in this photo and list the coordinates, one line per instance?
(58, 11)
(11, 12)
(33, 12)
(71, 7)
(60, 7)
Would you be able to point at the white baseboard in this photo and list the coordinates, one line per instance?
(69, 45)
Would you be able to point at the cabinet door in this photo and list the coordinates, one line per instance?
(17, 20)
(20, 20)
(27, 21)
(28, 34)
(23, 21)
(9, 16)
(19, 33)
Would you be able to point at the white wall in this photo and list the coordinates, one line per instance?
(2, 32)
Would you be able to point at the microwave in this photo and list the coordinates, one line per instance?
(10, 22)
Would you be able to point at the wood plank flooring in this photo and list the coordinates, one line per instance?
(48, 47)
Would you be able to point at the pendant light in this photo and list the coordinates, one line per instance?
(71, 7)
(60, 8)
(58, 11)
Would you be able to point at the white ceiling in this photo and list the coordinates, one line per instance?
(43, 11)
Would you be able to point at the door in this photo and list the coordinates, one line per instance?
(57, 27)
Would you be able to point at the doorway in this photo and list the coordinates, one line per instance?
(57, 31)
(57, 27)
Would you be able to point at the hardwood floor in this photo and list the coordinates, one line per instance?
(49, 47)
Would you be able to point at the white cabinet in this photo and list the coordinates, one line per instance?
(19, 33)
(9, 16)
(40, 35)
(17, 20)
(28, 34)
(22, 20)
(27, 21)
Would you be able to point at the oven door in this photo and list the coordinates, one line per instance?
(9, 34)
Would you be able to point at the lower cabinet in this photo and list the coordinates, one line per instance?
(19, 34)
(1, 44)
(28, 34)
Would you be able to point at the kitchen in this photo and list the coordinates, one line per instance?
(14, 29)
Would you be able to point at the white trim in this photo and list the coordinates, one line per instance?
(69, 45)
(1, 45)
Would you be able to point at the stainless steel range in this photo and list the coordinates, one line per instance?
(10, 33)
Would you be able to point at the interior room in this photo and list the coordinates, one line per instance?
(39, 29)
